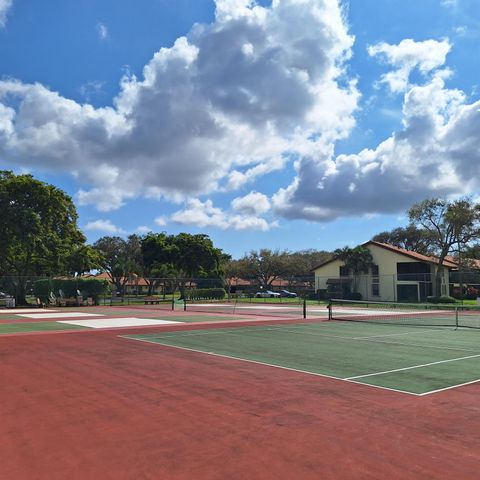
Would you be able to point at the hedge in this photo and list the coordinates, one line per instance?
(442, 299)
(205, 294)
(88, 287)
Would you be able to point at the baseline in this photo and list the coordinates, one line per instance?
(324, 375)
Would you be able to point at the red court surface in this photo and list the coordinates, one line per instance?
(92, 405)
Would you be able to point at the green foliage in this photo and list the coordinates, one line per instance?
(452, 225)
(410, 238)
(39, 233)
(88, 287)
(205, 294)
(39, 226)
(441, 299)
(120, 258)
(187, 256)
(265, 266)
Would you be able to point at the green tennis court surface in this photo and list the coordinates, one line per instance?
(35, 327)
(416, 360)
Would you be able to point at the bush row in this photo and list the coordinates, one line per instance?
(205, 294)
(88, 287)
(441, 299)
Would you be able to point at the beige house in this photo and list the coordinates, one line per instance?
(398, 275)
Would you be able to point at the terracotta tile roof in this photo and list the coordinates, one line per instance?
(408, 253)
(417, 256)
(470, 262)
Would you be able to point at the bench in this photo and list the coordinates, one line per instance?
(152, 300)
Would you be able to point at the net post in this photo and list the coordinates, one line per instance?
(456, 318)
(173, 303)
(305, 307)
(184, 304)
(329, 307)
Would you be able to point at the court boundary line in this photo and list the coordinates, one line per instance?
(353, 379)
(439, 390)
(368, 339)
(220, 355)
(412, 367)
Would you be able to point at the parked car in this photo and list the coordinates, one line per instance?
(287, 294)
(267, 294)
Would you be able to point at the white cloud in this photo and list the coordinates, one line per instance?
(254, 203)
(449, 3)
(143, 229)
(437, 153)
(227, 103)
(5, 6)
(90, 89)
(407, 56)
(161, 221)
(102, 31)
(105, 226)
(204, 214)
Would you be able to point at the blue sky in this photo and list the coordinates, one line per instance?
(289, 125)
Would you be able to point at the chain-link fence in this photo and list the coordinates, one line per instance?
(104, 290)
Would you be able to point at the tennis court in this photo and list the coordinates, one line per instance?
(185, 394)
(412, 359)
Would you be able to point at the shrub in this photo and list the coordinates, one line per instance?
(353, 296)
(205, 294)
(441, 299)
(88, 287)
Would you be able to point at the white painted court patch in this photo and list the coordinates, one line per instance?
(60, 315)
(118, 322)
(18, 311)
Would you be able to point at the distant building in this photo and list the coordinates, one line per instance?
(398, 275)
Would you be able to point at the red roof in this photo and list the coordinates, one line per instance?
(401, 251)
(417, 256)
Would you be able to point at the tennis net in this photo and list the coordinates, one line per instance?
(405, 313)
(291, 309)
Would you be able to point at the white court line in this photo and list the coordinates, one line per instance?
(411, 368)
(449, 388)
(389, 335)
(439, 347)
(270, 365)
(283, 329)
(18, 311)
(347, 379)
(61, 315)
(373, 340)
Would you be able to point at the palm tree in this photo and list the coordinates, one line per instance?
(357, 260)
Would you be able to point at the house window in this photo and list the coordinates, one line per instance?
(375, 281)
(413, 271)
(344, 271)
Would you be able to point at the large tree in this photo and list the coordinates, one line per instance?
(264, 266)
(181, 257)
(409, 237)
(39, 232)
(120, 259)
(159, 254)
(452, 225)
(197, 256)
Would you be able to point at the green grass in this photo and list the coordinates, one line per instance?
(346, 350)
